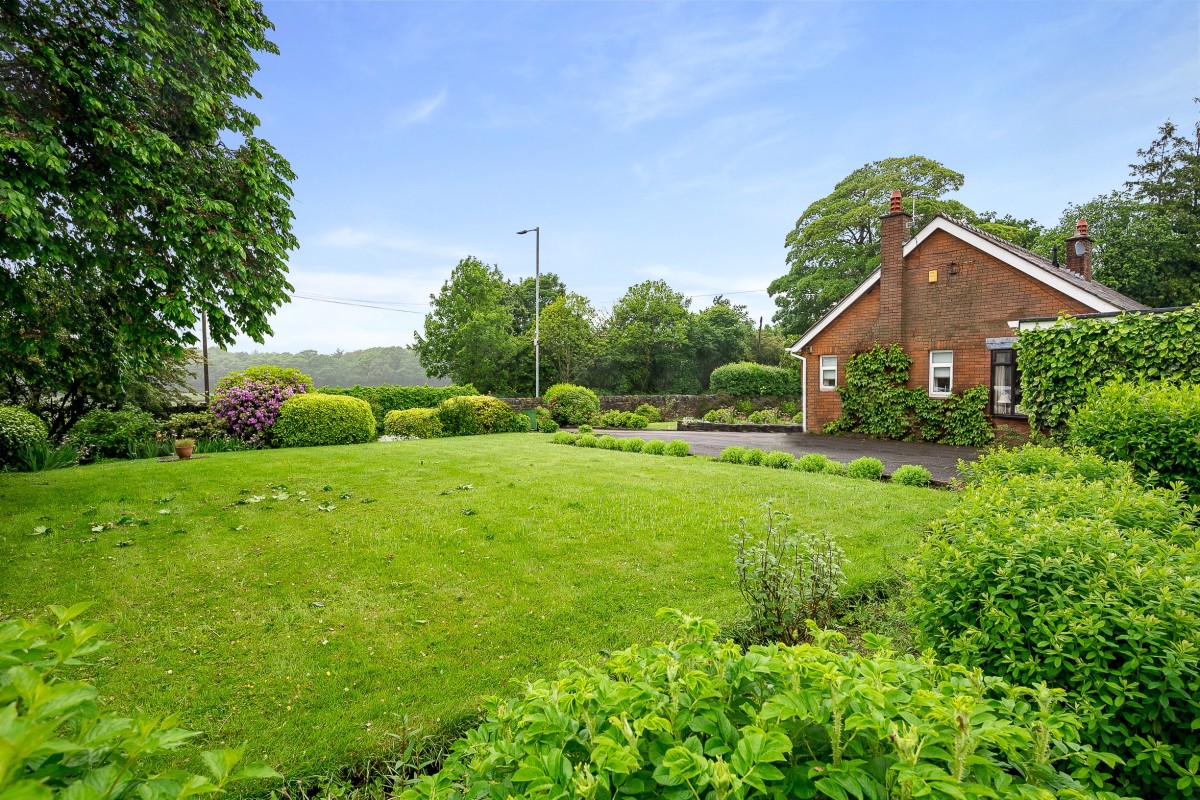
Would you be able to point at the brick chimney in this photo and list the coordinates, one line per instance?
(1079, 251)
(892, 237)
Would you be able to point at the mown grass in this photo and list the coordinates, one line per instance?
(439, 572)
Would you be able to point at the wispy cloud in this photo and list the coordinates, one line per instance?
(421, 111)
(348, 238)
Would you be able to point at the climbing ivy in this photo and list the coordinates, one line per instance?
(877, 402)
(1062, 365)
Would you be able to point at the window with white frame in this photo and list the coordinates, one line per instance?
(828, 372)
(941, 373)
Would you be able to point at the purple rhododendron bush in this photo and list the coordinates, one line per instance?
(250, 409)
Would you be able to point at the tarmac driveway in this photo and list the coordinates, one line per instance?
(939, 459)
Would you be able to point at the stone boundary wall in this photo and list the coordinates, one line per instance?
(739, 427)
(673, 406)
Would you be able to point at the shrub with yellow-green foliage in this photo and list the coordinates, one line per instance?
(313, 420)
(420, 422)
(470, 415)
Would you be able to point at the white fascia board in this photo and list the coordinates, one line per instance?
(835, 312)
(1013, 260)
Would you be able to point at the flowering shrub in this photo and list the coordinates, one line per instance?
(250, 409)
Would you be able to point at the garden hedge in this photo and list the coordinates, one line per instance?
(423, 423)
(469, 415)
(314, 420)
(385, 399)
(1086, 583)
(1062, 365)
(20, 429)
(747, 379)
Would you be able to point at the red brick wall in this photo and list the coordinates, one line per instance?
(974, 297)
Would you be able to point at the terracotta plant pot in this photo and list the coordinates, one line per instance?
(184, 451)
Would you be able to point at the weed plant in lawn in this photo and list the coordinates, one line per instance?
(304, 601)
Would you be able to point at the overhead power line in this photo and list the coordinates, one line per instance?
(356, 304)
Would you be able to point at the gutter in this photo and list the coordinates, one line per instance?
(803, 391)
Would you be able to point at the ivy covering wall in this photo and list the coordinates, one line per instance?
(877, 402)
(1062, 365)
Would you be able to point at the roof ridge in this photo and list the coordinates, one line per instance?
(1041, 260)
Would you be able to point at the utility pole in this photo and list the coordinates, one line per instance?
(537, 309)
(204, 340)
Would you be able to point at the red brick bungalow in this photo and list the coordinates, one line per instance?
(950, 296)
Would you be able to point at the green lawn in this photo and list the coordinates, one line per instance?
(310, 633)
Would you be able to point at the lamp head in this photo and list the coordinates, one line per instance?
(527, 230)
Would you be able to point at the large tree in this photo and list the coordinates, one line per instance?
(645, 341)
(568, 338)
(133, 190)
(719, 335)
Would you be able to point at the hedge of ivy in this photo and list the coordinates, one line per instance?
(876, 401)
(747, 379)
(400, 398)
(1063, 364)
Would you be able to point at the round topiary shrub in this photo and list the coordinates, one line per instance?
(20, 429)
(900, 727)
(777, 459)
(912, 475)
(563, 437)
(423, 423)
(585, 428)
(314, 420)
(811, 462)
(754, 457)
(834, 467)
(651, 413)
(654, 447)
(747, 379)
(570, 404)
(112, 434)
(607, 443)
(470, 415)
(865, 468)
(632, 445)
(585, 440)
(733, 455)
(678, 448)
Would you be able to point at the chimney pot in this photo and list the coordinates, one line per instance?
(897, 204)
(1081, 227)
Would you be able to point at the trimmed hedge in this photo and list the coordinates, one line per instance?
(1153, 426)
(471, 415)
(570, 404)
(314, 420)
(1086, 583)
(385, 399)
(20, 429)
(747, 379)
(865, 468)
(423, 423)
(1062, 365)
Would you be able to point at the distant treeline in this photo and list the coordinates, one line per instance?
(375, 366)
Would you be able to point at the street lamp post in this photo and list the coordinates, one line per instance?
(537, 308)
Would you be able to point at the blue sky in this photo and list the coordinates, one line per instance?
(675, 140)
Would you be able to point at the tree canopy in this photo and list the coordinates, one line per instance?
(133, 191)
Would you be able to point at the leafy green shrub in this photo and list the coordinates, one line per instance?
(702, 718)
(606, 442)
(570, 404)
(470, 415)
(112, 434)
(621, 419)
(1088, 584)
(545, 422)
(754, 457)
(733, 455)
(1032, 459)
(767, 416)
(60, 742)
(651, 413)
(389, 398)
(912, 475)
(564, 437)
(424, 423)
(586, 440)
(315, 420)
(266, 373)
(865, 468)
(747, 379)
(198, 425)
(632, 445)
(777, 459)
(834, 467)
(725, 415)
(585, 428)
(678, 448)
(811, 462)
(1153, 426)
(654, 447)
(20, 429)
(787, 577)
(1064, 364)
